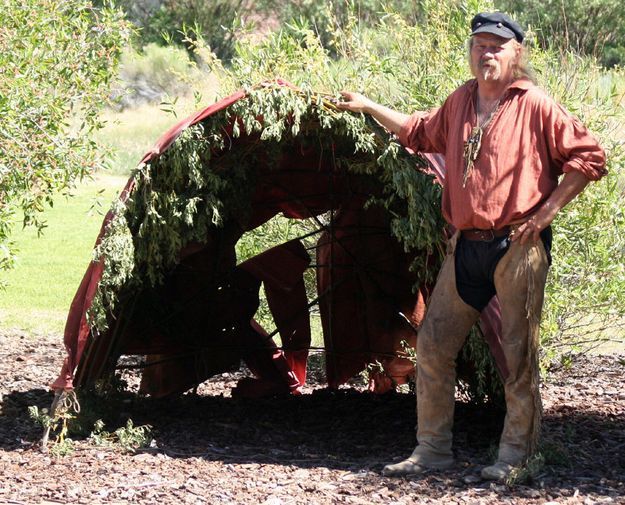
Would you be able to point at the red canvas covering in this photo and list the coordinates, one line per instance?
(366, 302)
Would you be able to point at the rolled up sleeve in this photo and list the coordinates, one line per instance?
(424, 132)
(575, 148)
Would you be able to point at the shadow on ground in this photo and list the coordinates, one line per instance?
(343, 430)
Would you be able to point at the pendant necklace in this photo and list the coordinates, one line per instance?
(474, 142)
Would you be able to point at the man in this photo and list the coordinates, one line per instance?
(505, 143)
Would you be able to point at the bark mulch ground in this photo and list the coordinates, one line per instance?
(321, 447)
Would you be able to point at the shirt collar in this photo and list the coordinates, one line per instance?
(522, 84)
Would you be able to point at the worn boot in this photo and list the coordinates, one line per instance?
(520, 281)
(444, 329)
(499, 471)
(419, 461)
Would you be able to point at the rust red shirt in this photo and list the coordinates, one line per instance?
(530, 141)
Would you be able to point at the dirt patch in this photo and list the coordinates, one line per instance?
(321, 447)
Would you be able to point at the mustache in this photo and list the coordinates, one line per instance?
(488, 63)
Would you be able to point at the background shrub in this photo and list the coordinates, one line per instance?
(589, 27)
(165, 22)
(55, 69)
(149, 75)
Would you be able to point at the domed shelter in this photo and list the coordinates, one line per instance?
(167, 285)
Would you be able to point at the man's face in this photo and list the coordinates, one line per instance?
(492, 58)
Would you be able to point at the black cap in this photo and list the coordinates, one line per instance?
(498, 23)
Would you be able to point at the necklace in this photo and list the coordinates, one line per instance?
(474, 142)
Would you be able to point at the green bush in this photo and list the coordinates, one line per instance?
(219, 22)
(165, 22)
(585, 301)
(56, 61)
(326, 18)
(590, 27)
(407, 66)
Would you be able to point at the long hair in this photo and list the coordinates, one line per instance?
(521, 68)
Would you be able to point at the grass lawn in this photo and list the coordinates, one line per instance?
(132, 132)
(49, 268)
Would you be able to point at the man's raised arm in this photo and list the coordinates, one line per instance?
(389, 118)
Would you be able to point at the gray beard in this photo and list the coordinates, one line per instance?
(490, 72)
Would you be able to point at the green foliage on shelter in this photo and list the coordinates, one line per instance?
(205, 181)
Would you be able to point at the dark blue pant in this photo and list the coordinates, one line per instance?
(475, 267)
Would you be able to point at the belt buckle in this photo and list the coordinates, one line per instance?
(487, 233)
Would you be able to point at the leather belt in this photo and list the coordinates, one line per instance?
(485, 235)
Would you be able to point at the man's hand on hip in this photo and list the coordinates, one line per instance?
(572, 184)
(529, 231)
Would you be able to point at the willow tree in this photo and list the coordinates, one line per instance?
(56, 60)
